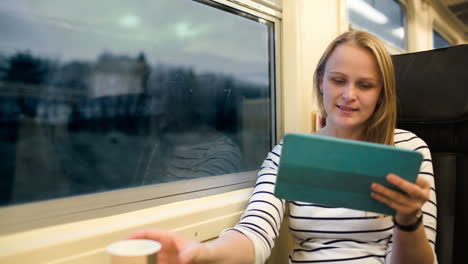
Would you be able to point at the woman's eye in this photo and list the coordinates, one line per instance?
(366, 85)
(338, 81)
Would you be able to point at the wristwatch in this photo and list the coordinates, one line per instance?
(412, 227)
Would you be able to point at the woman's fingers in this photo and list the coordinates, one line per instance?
(416, 191)
(411, 191)
(407, 202)
(147, 234)
(171, 244)
(424, 184)
(393, 203)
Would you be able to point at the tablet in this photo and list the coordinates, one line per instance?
(339, 172)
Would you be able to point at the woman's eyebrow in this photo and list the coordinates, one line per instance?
(335, 72)
(369, 79)
(362, 79)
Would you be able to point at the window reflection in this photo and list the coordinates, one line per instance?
(439, 41)
(384, 18)
(103, 95)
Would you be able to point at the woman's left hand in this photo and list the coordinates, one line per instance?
(407, 204)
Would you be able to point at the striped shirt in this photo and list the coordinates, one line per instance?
(323, 234)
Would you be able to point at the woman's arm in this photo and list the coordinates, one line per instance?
(230, 247)
(412, 246)
(408, 246)
(249, 241)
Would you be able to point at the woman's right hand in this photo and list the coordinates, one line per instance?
(175, 248)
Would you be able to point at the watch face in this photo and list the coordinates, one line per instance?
(417, 218)
(419, 214)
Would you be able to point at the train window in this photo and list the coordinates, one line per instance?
(104, 95)
(439, 41)
(384, 18)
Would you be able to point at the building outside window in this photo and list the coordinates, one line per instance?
(107, 95)
(383, 18)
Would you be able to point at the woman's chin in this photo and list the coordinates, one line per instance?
(348, 123)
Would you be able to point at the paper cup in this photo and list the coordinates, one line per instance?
(134, 251)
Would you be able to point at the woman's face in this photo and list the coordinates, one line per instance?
(351, 87)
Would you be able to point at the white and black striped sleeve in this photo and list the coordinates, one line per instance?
(408, 140)
(262, 218)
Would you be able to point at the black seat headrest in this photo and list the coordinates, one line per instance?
(432, 86)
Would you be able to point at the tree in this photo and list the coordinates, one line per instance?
(24, 67)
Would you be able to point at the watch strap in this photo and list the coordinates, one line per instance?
(409, 228)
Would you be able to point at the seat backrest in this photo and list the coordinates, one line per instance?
(432, 91)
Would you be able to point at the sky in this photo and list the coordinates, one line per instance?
(176, 32)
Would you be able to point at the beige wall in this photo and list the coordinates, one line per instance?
(308, 27)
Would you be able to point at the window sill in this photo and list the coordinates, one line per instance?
(85, 241)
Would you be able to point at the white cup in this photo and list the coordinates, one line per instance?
(134, 251)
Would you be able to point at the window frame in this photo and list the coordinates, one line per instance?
(441, 29)
(448, 26)
(392, 48)
(33, 215)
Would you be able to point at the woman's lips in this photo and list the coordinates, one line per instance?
(346, 108)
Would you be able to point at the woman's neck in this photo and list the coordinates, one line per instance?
(354, 134)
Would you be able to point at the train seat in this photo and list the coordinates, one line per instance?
(432, 91)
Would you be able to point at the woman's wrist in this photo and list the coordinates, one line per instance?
(408, 224)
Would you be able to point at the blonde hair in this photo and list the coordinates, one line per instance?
(381, 125)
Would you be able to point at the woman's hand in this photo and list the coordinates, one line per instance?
(407, 204)
(175, 248)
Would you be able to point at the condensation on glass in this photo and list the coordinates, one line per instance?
(103, 95)
(383, 18)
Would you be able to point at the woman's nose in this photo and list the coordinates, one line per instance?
(349, 92)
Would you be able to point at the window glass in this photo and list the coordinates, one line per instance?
(102, 95)
(439, 41)
(384, 18)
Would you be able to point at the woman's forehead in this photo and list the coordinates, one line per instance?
(351, 59)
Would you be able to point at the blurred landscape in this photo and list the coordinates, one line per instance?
(79, 127)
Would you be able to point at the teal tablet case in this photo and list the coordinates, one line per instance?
(339, 172)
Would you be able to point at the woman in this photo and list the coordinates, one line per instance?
(355, 90)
